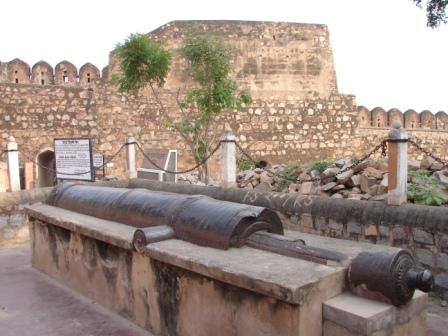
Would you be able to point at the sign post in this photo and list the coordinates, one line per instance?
(74, 159)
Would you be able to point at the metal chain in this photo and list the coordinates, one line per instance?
(427, 152)
(73, 174)
(181, 171)
(382, 145)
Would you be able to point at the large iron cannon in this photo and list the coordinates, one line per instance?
(208, 222)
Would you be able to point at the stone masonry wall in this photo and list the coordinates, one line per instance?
(279, 130)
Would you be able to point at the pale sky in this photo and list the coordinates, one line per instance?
(384, 53)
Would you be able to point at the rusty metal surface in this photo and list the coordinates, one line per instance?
(296, 248)
(391, 273)
(194, 218)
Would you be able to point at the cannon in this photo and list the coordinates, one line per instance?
(204, 221)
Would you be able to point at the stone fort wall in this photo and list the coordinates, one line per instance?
(297, 113)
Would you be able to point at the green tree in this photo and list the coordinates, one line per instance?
(435, 11)
(208, 56)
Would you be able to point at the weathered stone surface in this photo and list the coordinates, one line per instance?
(348, 314)
(334, 225)
(425, 256)
(384, 231)
(306, 188)
(399, 233)
(423, 237)
(328, 186)
(426, 162)
(413, 165)
(442, 261)
(307, 221)
(330, 172)
(353, 227)
(367, 182)
(372, 172)
(266, 177)
(370, 231)
(344, 177)
(354, 181)
(442, 176)
(294, 187)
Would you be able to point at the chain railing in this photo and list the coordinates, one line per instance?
(381, 146)
(427, 152)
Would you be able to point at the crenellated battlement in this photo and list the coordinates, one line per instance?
(379, 118)
(42, 73)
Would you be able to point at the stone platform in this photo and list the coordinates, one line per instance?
(178, 288)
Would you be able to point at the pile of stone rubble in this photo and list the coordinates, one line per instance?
(366, 181)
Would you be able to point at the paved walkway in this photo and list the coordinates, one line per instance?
(32, 304)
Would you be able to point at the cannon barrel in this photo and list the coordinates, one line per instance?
(197, 219)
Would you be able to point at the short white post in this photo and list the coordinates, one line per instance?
(398, 165)
(131, 163)
(228, 160)
(13, 164)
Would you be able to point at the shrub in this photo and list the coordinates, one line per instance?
(424, 189)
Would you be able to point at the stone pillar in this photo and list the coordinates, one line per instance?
(228, 160)
(13, 164)
(398, 165)
(131, 163)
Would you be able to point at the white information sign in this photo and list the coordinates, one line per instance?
(73, 159)
(98, 160)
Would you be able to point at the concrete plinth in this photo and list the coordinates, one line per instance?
(178, 288)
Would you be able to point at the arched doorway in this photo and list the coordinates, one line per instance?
(45, 169)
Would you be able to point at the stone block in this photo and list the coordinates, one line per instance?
(425, 256)
(442, 261)
(367, 182)
(354, 315)
(370, 231)
(321, 223)
(439, 175)
(16, 219)
(413, 165)
(426, 162)
(423, 237)
(354, 181)
(372, 172)
(294, 219)
(443, 243)
(384, 230)
(332, 224)
(328, 186)
(7, 233)
(353, 227)
(399, 233)
(307, 221)
(3, 221)
(344, 177)
(306, 188)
